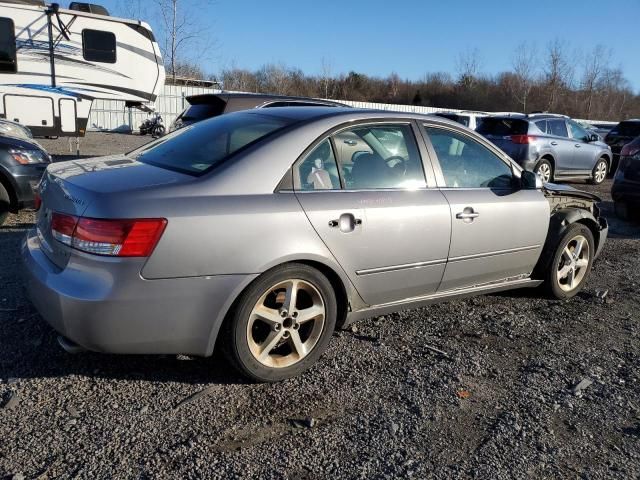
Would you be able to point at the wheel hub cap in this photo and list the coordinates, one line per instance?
(573, 264)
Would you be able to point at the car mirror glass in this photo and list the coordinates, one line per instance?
(530, 180)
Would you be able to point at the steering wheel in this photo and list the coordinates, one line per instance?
(400, 167)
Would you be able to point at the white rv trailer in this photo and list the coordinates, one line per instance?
(54, 62)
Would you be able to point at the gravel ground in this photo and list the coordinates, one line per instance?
(500, 386)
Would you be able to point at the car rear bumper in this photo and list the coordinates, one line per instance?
(106, 306)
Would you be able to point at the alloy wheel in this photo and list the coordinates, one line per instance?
(601, 172)
(544, 171)
(573, 264)
(286, 323)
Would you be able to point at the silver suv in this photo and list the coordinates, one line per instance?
(553, 146)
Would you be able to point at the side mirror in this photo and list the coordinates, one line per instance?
(594, 137)
(530, 180)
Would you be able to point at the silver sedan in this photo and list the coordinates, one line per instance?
(263, 231)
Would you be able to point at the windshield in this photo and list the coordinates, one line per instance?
(197, 149)
(503, 127)
(202, 111)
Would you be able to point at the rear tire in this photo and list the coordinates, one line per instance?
(599, 172)
(545, 170)
(269, 338)
(5, 204)
(571, 263)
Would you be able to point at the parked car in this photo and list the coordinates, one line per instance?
(22, 163)
(255, 232)
(553, 146)
(626, 184)
(466, 118)
(619, 136)
(14, 129)
(206, 106)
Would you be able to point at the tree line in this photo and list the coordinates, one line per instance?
(556, 80)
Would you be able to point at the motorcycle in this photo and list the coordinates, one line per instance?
(154, 126)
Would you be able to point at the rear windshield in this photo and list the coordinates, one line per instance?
(627, 129)
(202, 146)
(503, 126)
(202, 111)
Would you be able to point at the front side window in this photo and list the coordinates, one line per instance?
(577, 132)
(8, 62)
(465, 163)
(557, 128)
(98, 46)
(201, 147)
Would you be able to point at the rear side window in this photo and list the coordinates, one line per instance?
(502, 127)
(557, 128)
(318, 170)
(542, 125)
(98, 46)
(8, 63)
(197, 149)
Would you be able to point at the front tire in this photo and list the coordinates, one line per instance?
(571, 262)
(544, 170)
(281, 324)
(599, 172)
(5, 204)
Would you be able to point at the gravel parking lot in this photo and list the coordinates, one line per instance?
(501, 386)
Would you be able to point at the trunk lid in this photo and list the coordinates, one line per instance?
(70, 187)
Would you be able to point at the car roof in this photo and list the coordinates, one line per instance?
(309, 114)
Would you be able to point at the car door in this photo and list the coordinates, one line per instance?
(562, 146)
(584, 153)
(498, 229)
(375, 211)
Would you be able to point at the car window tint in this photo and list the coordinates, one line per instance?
(502, 127)
(318, 170)
(465, 163)
(7, 46)
(557, 128)
(542, 125)
(198, 148)
(379, 156)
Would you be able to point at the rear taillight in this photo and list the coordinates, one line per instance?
(522, 139)
(115, 238)
(629, 150)
(37, 200)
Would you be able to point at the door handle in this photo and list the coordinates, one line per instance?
(350, 142)
(578, 145)
(554, 143)
(468, 215)
(347, 223)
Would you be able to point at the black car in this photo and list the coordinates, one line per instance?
(619, 136)
(206, 106)
(626, 184)
(22, 163)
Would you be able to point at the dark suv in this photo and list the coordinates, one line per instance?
(206, 106)
(619, 136)
(553, 146)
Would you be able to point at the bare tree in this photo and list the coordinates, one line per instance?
(327, 82)
(596, 66)
(184, 29)
(524, 63)
(558, 72)
(468, 65)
